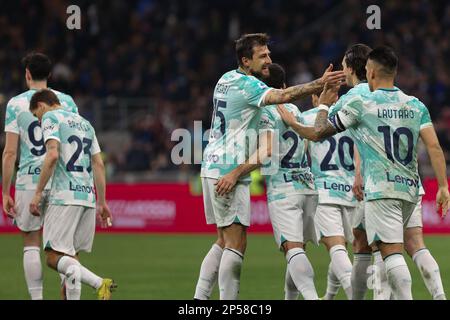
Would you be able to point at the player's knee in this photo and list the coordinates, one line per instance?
(360, 244)
(51, 259)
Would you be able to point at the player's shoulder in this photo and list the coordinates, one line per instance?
(412, 101)
(62, 95)
(21, 100)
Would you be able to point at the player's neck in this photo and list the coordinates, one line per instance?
(383, 84)
(243, 70)
(37, 85)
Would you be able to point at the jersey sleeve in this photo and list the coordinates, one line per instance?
(50, 127)
(425, 120)
(95, 146)
(11, 118)
(348, 116)
(255, 91)
(267, 121)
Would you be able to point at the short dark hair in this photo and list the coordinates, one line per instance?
(386, 58)
(38, 64)
(356, 58)
(44, 95)
(277, 76)
(245, 44)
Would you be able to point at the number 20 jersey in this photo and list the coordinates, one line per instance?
(20, 120)
(332, 165)
(388, 123)
(73, 182)
(238, 99)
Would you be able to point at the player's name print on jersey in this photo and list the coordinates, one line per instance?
(73, 182)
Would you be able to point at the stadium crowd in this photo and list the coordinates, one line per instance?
(173, 52)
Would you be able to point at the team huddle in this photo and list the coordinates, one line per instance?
(344, 172)
(60, 165)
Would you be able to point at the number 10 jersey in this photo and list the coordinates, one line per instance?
(73, 182)
(20, 120)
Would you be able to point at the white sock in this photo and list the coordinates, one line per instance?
(33, 272)
(230, 274)
(398, 276)
(333, 284)
(71, 268)
(290, 290)
(429, 270)
(302, 273)
(208, 273)
(65, 266)
(361, 263)
(342, 268)
(381, 288)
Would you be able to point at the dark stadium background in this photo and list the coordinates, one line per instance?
(140, 69)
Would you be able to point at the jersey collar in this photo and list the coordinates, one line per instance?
(389, 89)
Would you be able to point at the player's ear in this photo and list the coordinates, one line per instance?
(245, 61)
(27, 74)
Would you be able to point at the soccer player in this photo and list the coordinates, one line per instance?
(291, 193)
(73, 159)
(334, 171)
(23, 131)
(238, 98)
(389, 124)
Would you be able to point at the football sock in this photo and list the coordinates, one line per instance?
(342, 268)
(33, 271)
(230, 274)
(361, 263)
(302, 273)
(398, 276)
(429, 270)
(208, 273)
(290, 290)
(333, 284)
(381, 288)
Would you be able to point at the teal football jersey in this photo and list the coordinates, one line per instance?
(73, 182)
(288, 172)
(388, 124)
(238, 99)
(332, 165)
(20, 120)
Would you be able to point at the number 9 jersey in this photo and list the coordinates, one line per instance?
(73, 182)
(20, 120)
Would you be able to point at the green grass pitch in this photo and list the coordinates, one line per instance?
(165, 266)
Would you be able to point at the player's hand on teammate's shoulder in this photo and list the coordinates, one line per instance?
(443, 201)
(34, 204)
(288, 117)
(8, 206)
(104, 215)
(226, 183)
(332, 78)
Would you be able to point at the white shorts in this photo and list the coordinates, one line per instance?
(232, 208)
(69, 229)
(386, 219)
(293, 218)
(334, 220)
(24, 220)
(416, 217)
(358, 221)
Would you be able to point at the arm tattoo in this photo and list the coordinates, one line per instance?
(322, 126)
(293, 93)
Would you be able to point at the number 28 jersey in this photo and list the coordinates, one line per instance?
(388, 123)
(238, 99)
(20, 120)
(73, 182)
